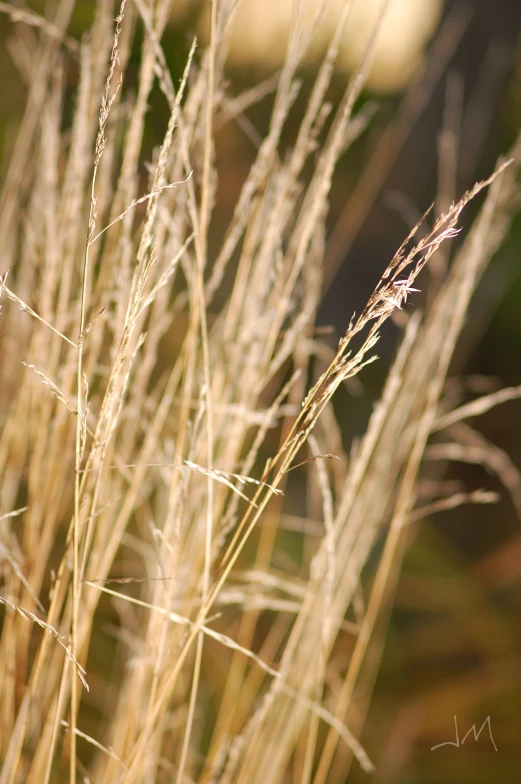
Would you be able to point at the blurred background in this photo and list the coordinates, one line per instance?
(445, 99)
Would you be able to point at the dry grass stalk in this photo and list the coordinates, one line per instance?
(156, 475)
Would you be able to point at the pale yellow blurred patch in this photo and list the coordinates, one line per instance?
(260, 29)
(407, 28)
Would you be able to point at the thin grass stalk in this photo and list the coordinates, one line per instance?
(107, 101)
(201, 253)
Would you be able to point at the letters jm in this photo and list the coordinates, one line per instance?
(459, 743)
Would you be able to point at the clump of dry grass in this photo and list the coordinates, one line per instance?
(140, 489)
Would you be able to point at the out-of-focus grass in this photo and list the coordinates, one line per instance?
(229, 632)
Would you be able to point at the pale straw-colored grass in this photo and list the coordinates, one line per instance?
(118, 466)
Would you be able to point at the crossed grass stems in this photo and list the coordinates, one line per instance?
(198, 418)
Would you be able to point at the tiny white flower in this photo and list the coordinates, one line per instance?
(402, 289)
